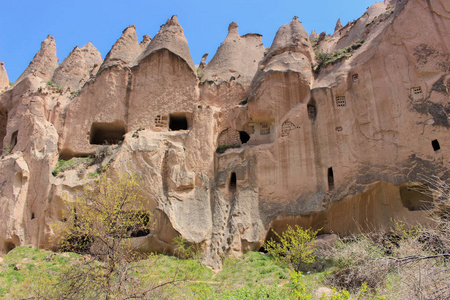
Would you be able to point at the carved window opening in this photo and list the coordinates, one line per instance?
(340, 101)
(107, 133)
(244, 137)
(355, 78)
(233, 183)
(161, 121)
(339, 129)
(13, 142)
(265, 128)
(178, 121)
(435, 144)
(330, 179)
(3, 125)
(312, 111)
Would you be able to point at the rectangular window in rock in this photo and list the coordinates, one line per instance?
(435, 144)
(265, 128)
(340, 101)
(178, 121)
(107, 133)
(161, 121)
(330, 179)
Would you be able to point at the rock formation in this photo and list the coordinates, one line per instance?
(332, 135)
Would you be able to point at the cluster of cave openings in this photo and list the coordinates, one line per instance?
(161, 121)
(330, 179)
(416, 93)
(233, 183)
(435, 144)
(107, 133)
(340, 101)
(3, 123)
(178, 121)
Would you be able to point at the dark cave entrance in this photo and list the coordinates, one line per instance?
(107, 133)
(178, 121)
(330, 179)
(233, 183)
(435, 144)
(14, 139)
(244, 137)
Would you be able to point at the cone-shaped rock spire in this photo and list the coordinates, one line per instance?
(124, 51)
(291, 37)
(4, 80)
(338, 25)
(238, 57)
(76, 68)
(145, 41)
(44, 62)
(171, 37)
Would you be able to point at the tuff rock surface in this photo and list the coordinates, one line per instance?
(249, 142)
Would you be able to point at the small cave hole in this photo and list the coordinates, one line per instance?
(33, 216)
(330, 179)
(232, 185)
(435, 144)
(244, 137)
(8, 246)
(14, 139)
(178, 121)
(107, 133)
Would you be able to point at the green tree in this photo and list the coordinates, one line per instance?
(294, 247)
(101, 223)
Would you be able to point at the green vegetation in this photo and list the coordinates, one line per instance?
(325, 58)
(223, 148)
(7, 150)
(58, 88)
(295, 247)
(64, 165)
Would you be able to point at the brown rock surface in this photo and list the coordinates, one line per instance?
(340, 147)
(4, 80)
(44, 62)
(236, 59)
(125, 51)
(77, 67)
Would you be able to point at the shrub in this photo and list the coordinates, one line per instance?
(295, 247)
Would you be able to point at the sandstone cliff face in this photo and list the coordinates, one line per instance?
(336, 146)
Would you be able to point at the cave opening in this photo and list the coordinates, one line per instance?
(330, 179)
(435, 144)
(312, 110)
(8, 246)
(14, 139)
(178, 121)
(3, 125)
(244, 137)
(107, 133)
(233, 182)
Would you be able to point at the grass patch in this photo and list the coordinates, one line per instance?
(325, 58)
(64, 165)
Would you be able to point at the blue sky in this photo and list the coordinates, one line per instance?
(26, 23)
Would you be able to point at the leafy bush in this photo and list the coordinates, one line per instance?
(295, 247)
(223, 148)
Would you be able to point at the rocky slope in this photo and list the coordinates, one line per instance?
(249, 142)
